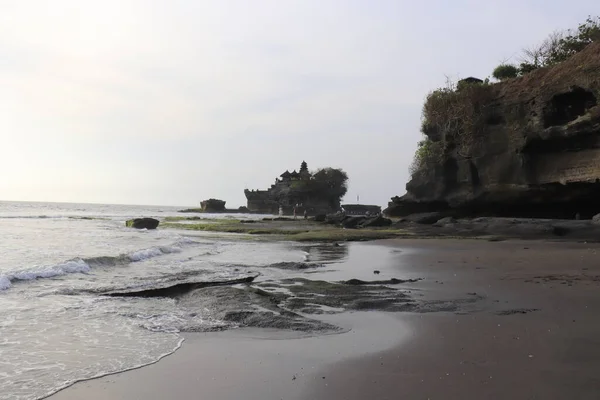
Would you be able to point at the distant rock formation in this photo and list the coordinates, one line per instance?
(142, 223)
(213, 206)
(525, 147)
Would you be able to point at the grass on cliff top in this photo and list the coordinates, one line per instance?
(305, 231)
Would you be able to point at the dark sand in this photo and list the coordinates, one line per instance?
(534, 333)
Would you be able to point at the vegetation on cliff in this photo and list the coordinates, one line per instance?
(456, 118)
(463, 112)
(525, 146)
(558, 47)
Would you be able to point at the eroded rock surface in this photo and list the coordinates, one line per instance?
(527, 147)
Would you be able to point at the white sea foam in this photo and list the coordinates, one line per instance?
(4, 282)
(69, 267)
(145, 254)
(79, 265)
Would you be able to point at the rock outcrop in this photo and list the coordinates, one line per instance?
(525, 147)
(142, 223)
(213, 206)
(355, 222)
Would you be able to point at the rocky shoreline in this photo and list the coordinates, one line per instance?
(338, 228)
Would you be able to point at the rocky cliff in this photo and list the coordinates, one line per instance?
(529, 146)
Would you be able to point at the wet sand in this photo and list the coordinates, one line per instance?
(532, 333)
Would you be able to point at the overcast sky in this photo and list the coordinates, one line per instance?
(173, 101)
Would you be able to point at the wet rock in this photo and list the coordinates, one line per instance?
(352, 222)
(392, 281)
(335, 219)
(320, 217)
(175, 290)
(445, 221)
(517, 311)
(295, 265)
(425, 218)
(142, 223)
(377, 221)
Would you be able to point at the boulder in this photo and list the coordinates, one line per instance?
(377, 221)
(335, 219)
(445, 221)
(596, 219)
(320, 217)
(425, 218)
(142, 223)
(353, 222)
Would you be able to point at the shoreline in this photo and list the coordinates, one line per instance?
(417, 226)
(533, 300)
(249, 363)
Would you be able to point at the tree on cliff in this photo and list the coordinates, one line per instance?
(505, 71)
(330, 184)
(559, 46)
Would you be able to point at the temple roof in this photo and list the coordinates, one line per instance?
(294, 174)
(286, 174)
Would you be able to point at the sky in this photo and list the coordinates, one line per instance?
(169, 102)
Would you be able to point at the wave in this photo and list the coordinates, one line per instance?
(30, 216)
(84, 265)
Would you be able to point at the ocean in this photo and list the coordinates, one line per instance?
(59, 261)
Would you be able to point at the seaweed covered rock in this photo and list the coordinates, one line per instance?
(377, 221)
(142, 223)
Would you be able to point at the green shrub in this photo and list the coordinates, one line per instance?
(525, 68)
(428, 153)
(560, 45)
(455, 118)
(505, 71)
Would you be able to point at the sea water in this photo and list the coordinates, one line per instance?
(57, 260)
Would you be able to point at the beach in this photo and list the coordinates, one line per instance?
(512, 319)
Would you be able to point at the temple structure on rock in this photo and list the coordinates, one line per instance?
(290, 190)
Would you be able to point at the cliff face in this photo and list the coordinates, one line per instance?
(529, 146)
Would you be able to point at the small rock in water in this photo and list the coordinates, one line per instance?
(376, 272)
(142, 223)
